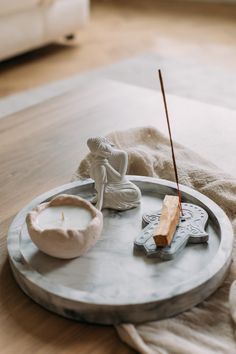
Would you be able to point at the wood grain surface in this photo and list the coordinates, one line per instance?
(40, 148)
(203, 32)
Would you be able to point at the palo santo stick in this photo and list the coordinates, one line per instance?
(169, 220)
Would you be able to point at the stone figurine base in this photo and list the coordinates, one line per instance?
(113, 283)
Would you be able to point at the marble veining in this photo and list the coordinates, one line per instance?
(114, 283)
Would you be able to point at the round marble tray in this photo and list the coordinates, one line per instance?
(112, 283)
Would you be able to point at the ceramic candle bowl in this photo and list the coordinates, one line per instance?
(65, 227)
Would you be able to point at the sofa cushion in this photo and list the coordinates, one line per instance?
(41, 24)
(9, 6)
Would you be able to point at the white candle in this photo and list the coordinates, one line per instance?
(65, 227)
(65, 217)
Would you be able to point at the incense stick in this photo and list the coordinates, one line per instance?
(171, 141)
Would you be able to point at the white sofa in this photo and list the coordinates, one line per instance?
(28, 24)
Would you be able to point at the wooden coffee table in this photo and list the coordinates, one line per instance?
(40, 149)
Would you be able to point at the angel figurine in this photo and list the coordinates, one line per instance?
(108, 169)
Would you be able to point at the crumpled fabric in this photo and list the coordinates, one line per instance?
(209, 327)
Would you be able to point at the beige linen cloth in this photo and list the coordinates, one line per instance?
(209, 327)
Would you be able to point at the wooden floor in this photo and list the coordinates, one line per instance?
(119, 29)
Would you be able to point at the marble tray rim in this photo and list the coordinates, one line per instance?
(222, 256)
